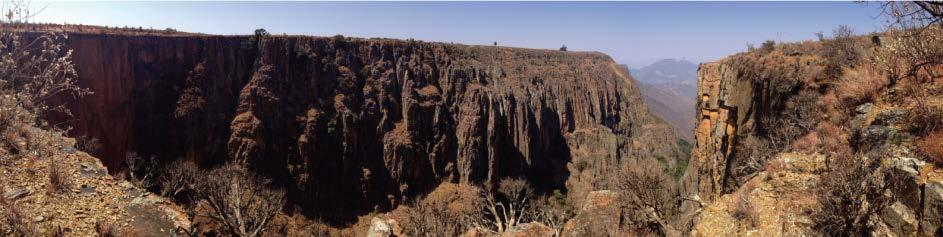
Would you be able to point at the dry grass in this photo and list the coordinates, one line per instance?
(59, 179)
(775, 167)
(926, 117)
(743, 209)
(860, 85)
(12, 220)
(931, 146)
(807, 144)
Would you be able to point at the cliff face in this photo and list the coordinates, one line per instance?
(354, 125)
(787, 137)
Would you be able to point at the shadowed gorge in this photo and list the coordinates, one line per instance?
(356, 125)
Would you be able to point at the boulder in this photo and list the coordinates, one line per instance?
(864, 108)
(379, 228)
(900, 219)
(12, 193)
(931, 223)
(907, 172)
(600, 214)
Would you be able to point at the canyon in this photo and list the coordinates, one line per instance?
(351, 126)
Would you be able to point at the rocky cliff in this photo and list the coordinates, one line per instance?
(356, 125)
(794, 141)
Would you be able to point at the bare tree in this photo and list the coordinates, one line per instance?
(241, 202)
(178, 177)
(648, 196)
(509, 209)
(917, 28)
(34, 70)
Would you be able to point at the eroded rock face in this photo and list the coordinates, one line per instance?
(353, 125)
(749, 108)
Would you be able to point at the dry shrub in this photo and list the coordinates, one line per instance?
(926, 117)
(36, 71)
(849, 195)
(743, 209)
(239, 200)
(649, 197)
(841, 51)
(105, 229)
(12, 221)
(807, 144)
(830, 136)
(860, 85)
(931, 146)
(87, 144)
(553, 211)
(177, 178)
(141, 169)
(774, 167)
(449, 210)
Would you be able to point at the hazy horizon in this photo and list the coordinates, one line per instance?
(633, 33)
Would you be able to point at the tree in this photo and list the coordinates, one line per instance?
(240, 201)
(648, 196)
(563, 48)
(511, 208)
(34, 71)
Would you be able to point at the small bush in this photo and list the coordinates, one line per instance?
(768, 46)
(849, 195)
(807, 144)
(931, 146)
(507, 211)
(448, 211)
(59, 179)
(141, 169)
(87, 144)
(743, 209)
(105, 229)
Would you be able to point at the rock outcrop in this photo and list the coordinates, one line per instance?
(356, 125)
(764, 115)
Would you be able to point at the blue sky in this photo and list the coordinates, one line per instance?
(635, 33)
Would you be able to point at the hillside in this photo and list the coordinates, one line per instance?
(817, 138)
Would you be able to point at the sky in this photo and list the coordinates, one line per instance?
(634, 33)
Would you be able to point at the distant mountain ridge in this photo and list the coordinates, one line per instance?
(669, 87)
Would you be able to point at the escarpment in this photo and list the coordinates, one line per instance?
(351, 126)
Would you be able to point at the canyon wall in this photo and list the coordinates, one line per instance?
(356, 125)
